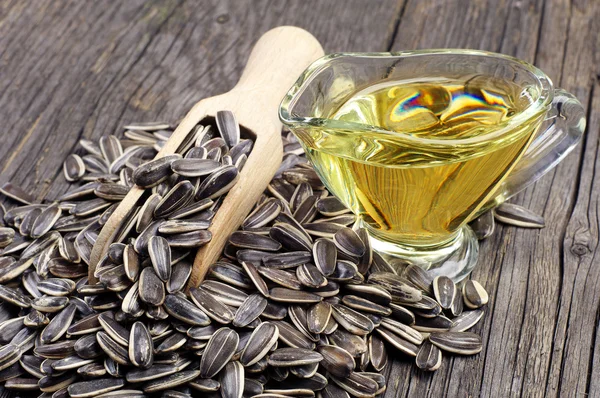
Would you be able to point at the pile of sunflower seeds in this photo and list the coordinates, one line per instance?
(298, 305)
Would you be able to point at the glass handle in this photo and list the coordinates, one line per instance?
(558, 135)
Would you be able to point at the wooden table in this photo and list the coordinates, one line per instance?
(81, 69)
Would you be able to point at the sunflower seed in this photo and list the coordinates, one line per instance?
(232, 380)
(192, 209)
(211, 306)
(519, 216)
(293, 357)
(228, 128)
(248, 240)
(286, 260)
(250, 310)
(175, 199)
(152, 373)
(290, 237)
(94, 387)
(466, 320)
(160, 255)
(17, 193)
(331, 207)
(337, 361)
(317, 317)
(151, 287)
(333, 391)
(399, 343)
(7, 236)
(185, 311)
(357, 385)
(179, 276)
(463, 343)
(281, 294)
(154, 172)
(444, 291)
(437, 324)
(263, 214)
(58, 325)
(217, 183)
(353, 321)
(474, 294)
(354, 344)
(140, 346)
(189, 239)
(364, 305)
(146, 213)
(484, 225)
(396, 286)
(281, 277)
(261, 341)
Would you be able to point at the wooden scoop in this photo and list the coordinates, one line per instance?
(275, 63)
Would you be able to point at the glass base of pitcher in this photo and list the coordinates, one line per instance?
(455, 260)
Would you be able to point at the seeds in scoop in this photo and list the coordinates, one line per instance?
(160, 255)
(519, 216)
(151, 288)
(218, 183)
(444, 290)
(474, 294)
(194, 167)
(175, 199)
(154, 172)
(211, 306)
(189, 239)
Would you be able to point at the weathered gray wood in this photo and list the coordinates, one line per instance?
(72, 69)
(75, 69)
(535, 341)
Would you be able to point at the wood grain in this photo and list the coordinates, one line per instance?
(72, 69)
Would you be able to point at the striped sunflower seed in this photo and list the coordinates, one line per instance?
(519, 216)
(463, 343)
(474, 294)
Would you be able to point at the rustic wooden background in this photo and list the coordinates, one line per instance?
(73, 69)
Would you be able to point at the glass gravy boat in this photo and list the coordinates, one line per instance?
(414, 192)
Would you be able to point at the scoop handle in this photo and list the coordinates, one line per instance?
(276, 62)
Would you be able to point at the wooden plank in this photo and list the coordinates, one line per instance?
(521, 269)
(73, 70)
